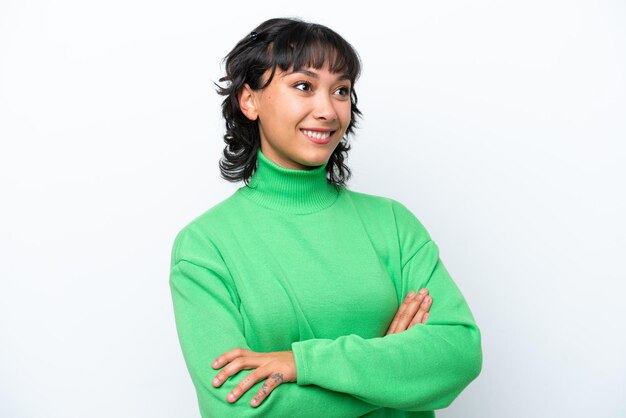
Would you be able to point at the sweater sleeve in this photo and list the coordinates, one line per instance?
(208, 323)
(422, 368)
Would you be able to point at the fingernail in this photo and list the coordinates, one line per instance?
(216, 381)
(231, 397)
(427, 299)
(411, 294)
(423, 292)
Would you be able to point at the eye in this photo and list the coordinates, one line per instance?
(343, 91)
(303, 86)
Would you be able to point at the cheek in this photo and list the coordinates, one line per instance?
(346, 113)
(295, 108)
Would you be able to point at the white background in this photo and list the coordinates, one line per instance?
(501, 125)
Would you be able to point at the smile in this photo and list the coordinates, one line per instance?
(317, 135)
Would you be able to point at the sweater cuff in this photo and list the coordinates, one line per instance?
(299, 358)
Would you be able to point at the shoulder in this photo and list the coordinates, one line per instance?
(384, 205)
(365, 202)
(198, 236)
(393, 214)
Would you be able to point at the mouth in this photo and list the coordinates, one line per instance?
(319, 137)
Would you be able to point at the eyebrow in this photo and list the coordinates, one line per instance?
(313, 74)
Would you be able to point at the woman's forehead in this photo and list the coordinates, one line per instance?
(314, 72)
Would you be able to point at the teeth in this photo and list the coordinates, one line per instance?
(316, 135)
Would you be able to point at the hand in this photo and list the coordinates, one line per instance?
(277, 367)
(413, 310)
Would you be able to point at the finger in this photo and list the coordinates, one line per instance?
(394, 322)
(268, 386)
(424, 308)
(412, 308)
(229, 356)
(250, 380)
(401, 311)
(235, 366)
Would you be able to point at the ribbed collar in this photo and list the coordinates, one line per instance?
(289, 190)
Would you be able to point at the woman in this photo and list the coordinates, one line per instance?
(297, 286)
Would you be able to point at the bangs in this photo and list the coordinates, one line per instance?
(313, 46)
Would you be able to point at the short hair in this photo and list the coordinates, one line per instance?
(288, 44)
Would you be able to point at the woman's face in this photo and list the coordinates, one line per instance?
(302, 115)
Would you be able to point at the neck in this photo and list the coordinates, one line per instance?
(290, 190)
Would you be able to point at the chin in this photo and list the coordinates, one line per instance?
(314, 160)
(317, 157)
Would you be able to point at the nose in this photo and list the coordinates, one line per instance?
(324, 108)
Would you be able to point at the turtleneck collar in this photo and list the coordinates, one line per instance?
(289, 190)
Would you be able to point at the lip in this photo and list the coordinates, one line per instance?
(317, 140)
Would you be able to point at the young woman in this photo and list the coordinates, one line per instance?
(297, 286)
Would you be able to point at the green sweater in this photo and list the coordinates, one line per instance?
(292, 263)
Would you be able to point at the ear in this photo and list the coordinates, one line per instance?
(247, 102)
